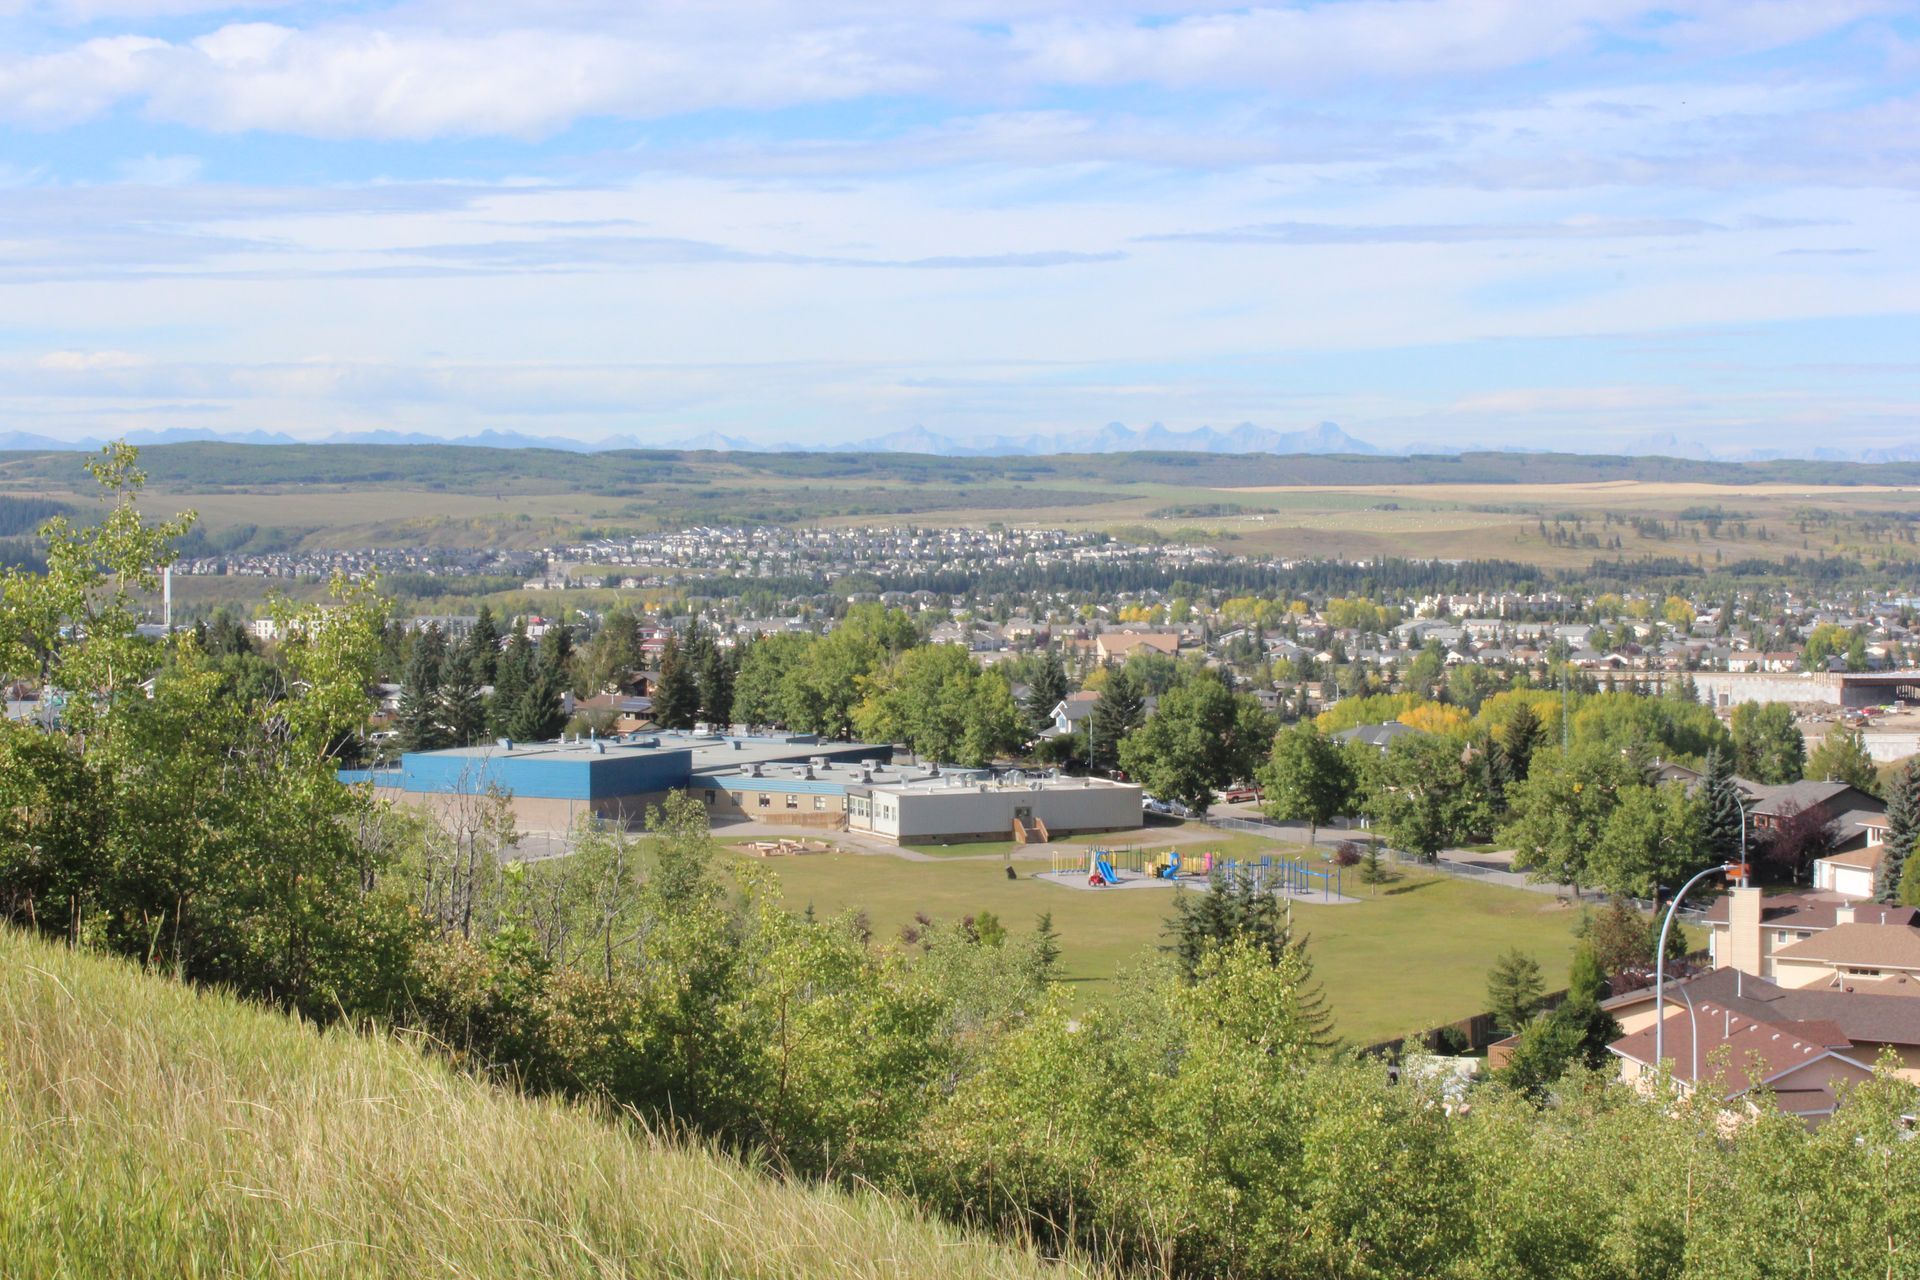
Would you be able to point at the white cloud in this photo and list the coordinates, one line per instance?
(421, 72)
(91, 361)
(160, 171)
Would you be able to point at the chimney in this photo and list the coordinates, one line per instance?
(1743, 930)
(1843, 914)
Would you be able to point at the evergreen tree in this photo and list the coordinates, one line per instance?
(1900, 878)
(482, 646)
(1578, 1031)
(1046, 943)
(513, 672)
(419, 718)
(539, 713)
(1046, 690)
(1233, 909)
(463, 712)
(1120, 710)
(1523, 736)
(1498, 767)
(716, 687)
(1721, 805)
(1514, 988)
(676, 699)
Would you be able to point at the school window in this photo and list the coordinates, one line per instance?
(766, 801)
(793, 801)
(709, 796)
(819, 803)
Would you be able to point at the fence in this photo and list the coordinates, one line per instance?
(1145, 859)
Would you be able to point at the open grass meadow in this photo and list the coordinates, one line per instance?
(1413, 956)
(147, 1129)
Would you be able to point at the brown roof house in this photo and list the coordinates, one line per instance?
(1117, 646)
(1799, 1064)
(1778, 937)
(1874, 1015)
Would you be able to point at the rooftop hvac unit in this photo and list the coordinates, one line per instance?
(818, 762)
(505, 744)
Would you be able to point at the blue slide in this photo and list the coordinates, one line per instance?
(1105, 869)
(1172, 870)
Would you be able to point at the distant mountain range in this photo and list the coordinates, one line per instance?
(1115, 437)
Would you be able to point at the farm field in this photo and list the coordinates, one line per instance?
(1555, 511)
(1413, 956)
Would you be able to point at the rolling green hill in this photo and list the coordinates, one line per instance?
(147, 1129)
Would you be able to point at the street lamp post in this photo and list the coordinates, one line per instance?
(1660, 962)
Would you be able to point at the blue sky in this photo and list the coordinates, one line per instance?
(1584, 224)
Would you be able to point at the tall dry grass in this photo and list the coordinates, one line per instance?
(151, 1130)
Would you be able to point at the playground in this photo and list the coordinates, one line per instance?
(1140, 867)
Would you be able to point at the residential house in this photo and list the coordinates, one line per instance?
(1071, 713)
(1118, 646)
(1767, 936)
(1378, 736)
(1800, 1064)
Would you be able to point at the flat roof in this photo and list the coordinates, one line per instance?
(846, 773)
(964, 780)
(709, 750)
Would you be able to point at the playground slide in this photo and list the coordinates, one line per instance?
(1172, 870)
(1105, 869)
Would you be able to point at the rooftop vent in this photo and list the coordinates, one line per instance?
(505, 744)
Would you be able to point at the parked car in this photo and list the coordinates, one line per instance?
(1239, 795)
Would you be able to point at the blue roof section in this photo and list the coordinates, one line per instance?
(606, 768)
(555, 773)
(613, 768)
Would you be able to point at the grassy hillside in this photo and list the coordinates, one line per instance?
(147, 1129)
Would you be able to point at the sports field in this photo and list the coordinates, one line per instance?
(1412, 956)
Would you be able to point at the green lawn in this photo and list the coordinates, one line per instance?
(1412, 957)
